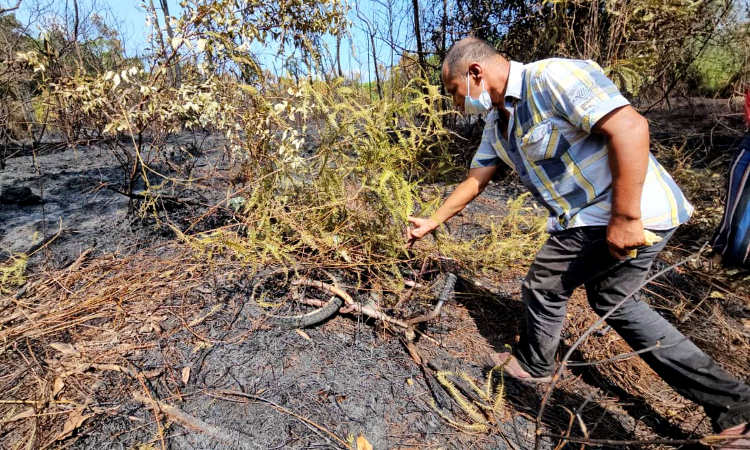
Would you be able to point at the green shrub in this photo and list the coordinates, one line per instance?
(716, 66)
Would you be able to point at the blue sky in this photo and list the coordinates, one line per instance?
(130, 19)
(126, 15)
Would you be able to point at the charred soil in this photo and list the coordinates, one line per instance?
(123, 337)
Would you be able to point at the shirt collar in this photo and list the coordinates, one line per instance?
(515, 80)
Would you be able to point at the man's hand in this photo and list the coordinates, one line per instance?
(423, 226)
(467, 191)
(624, 235)
(628, 141)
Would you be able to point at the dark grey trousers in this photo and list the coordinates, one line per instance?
(580, 256)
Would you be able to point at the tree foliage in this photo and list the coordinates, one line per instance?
(641, 43)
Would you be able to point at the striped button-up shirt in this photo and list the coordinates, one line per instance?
(553, 105)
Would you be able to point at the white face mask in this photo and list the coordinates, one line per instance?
(480, 106)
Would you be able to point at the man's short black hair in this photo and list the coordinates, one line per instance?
(466, 51)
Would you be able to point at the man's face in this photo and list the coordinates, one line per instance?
(456, 88)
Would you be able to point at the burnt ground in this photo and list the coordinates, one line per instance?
(73, 203)
(240, 383)
(709, 127)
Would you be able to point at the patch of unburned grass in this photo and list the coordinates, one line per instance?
(12, 272)
(511, 240)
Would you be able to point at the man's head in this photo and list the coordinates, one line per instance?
(478, 60)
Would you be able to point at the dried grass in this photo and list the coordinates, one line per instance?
(709, 327)
(70, 330)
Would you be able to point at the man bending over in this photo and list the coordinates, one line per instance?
(583, 153)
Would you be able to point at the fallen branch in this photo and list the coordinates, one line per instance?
(351, 306)
(412, 284)
(622, 357)
(708, 440)
(184, 419)
(118, 368)
(307, 422)
(164, 198)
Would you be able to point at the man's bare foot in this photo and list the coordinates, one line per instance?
(513, 369)
(742, 432)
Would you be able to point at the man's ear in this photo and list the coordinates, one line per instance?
(475, 69)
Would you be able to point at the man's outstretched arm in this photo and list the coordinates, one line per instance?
(467, 191)
(628, 136)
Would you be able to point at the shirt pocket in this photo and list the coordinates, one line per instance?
(538, 144)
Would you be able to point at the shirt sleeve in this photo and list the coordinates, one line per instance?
(580, 92)
(486, 155)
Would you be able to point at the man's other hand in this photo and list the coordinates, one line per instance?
(624, 235)
(421, 228)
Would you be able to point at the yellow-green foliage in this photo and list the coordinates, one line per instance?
(490, 401)
(330, 175)
(12, 272)
(513, 238)
(628, 75)
(209, 50)
(640, 42)
(704, 187)
(326, 173)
